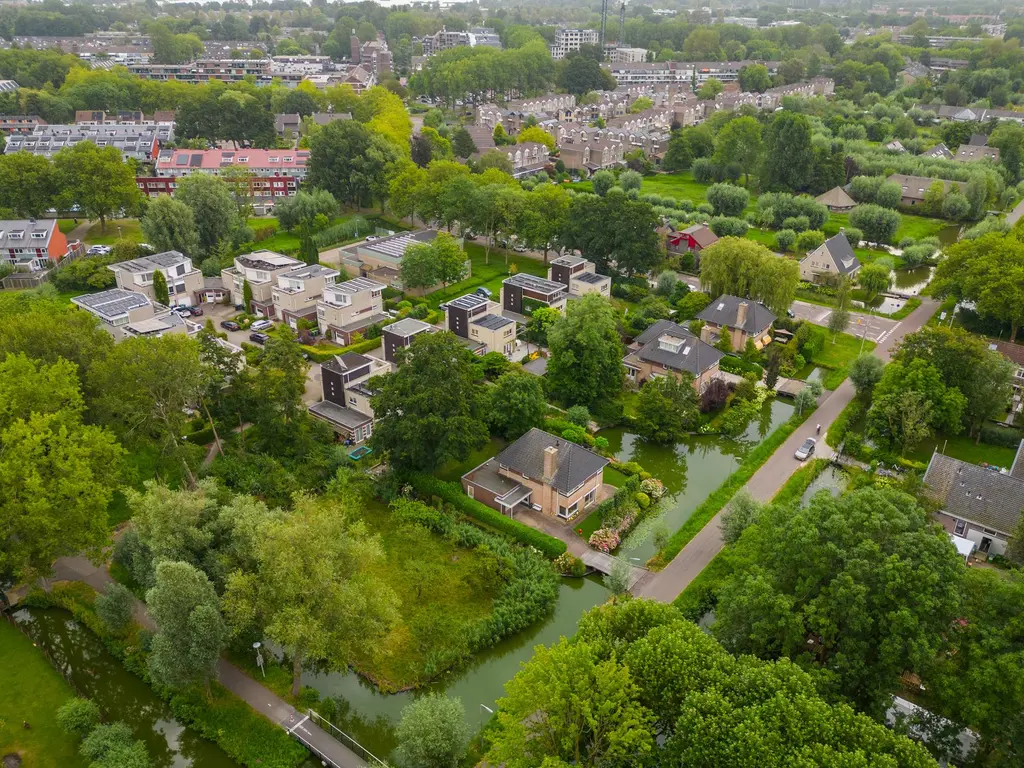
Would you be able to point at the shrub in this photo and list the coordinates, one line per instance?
(666, 284)
(604, 539)
(704, 170)
(115, 606)
(427, 486)
(785, 239)
(796, 223)
(578, 415)
(568, 564)
(78, 716)
(853, 236)
(653, 487)
(642, 499)
(727, 226)
(878, 224)
(727, 200)
(809, 240)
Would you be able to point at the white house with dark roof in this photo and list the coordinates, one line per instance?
(981, 504)
(833, 258)
(401, 334)
(939, 151)
(479, 324)
(742, 319)
(183, 280)
(540, 472)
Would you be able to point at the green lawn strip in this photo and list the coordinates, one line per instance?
(906, 309)
(799, 481)
(281, 241)
(835, 358)
(244, 734)
(870, 255)
(489, 275)
(963, 448)
(911, 225)
(116, 229)
(453, 471)
(32, 692)
(66, 225)
(443, 591)
(612, 476)
(714, 503)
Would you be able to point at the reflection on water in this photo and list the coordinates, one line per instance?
(910, 282)
(121, 695)
(833, 479)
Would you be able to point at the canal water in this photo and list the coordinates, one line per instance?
(121, 695)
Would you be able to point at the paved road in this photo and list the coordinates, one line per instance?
(701, 550)
(255, 695)
(876, 328)
(1015, 214)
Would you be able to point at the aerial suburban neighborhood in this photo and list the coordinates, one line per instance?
(434, 385)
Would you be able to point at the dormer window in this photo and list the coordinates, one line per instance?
(17, 234)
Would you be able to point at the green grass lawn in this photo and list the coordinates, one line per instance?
(116, 229)
(836, 357)
(443, 589)
(33, 691)
(281, 241)
(453, 471)
(681, 186)
(490, 275)
(66, 225)
(911, 225)
(963, 448)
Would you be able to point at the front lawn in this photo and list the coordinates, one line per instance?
(33, 691)
(115, 230)
(917, 227)
(963, 448)
(835, 358)
(443, 589)
(67, 225)
(489, 275)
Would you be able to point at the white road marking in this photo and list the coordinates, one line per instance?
(304, 719)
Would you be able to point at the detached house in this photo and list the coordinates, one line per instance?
(346, 395)
(539, 472)
(128, 313)
(260, 269)
(837, 200)
(183, 280)
(350, 307)
(741, 319)
(298, 292)
(968, 153)
(667, 349)
(401, 334)
(523, 293)
(833, 258)
(981, 504)
(478, 322)
(915, 187)
(694, 239)
(579, 276)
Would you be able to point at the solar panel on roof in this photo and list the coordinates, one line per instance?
(196, 161)
(181, 160)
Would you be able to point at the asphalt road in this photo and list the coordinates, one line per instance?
(877, 329)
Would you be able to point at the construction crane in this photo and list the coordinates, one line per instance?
(604, 23)
(622, 22)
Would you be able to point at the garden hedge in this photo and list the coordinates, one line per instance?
(320, 355)
(451, 493)
(739, 366)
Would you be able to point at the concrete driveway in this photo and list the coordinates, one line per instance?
(877, 329)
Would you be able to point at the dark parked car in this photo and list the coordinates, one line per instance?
(485, 292)
(259, 338)
(196, 311)
(230, 325)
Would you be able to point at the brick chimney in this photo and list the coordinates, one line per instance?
(550, 463)
(741, 314)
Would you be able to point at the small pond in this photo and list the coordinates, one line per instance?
(910, 282)
(885, 305)
(832, 479)
(121, 695)
(690, 470)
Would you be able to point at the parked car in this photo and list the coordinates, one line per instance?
(485, 292)
(259, 338)
(197, 311)
(182, 311)
(230, 325)
(519, 248)
(372, 238)
(806, 450)
(147, 248)
(98, 250)
(261, 325)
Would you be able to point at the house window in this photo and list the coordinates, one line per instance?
(568, 513)
(961, 526)
(469, 491)
(589, 498)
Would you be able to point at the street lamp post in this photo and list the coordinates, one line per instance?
(259, 657)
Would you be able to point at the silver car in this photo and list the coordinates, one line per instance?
(806, 450)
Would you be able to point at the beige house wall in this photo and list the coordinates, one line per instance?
(549, 499)
(645, 370)
(580, 288)
(496, 339)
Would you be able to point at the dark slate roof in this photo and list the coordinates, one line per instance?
(575, 463)
(845, 259)
(493, 322)
(693, 355)
(978, 140)
(347, 362)
(978, 494)
(722, 311)
(660, 327)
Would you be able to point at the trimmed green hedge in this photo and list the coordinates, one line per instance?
(451, 493)
(318, 355)
(739, 366)
(714, 503)
(838, 429)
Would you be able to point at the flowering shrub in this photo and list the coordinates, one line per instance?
(653, 488)
(604, 539)
(568, 564)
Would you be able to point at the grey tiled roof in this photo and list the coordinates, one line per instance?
(694, 356)
(334, 413)
(842, 254)
(575, 464)
(722, 311)
(408, 326)
(980, 495)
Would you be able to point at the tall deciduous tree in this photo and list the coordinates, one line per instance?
(57, 475)
(613, 229)
(432, 733)
(27, 183)
(350, 607)
(739, 142)
(213, 208)
(160, 292)
(352, 163)
(96, 180)
(191, 633)
(748, 269)
(861, 587)
(169, 225)
(788, 137)
(432, 409)
(442, 260)
(516, 404)
(585, 366)
(667, 409)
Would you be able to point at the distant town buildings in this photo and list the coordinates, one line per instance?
(445, 39)
(569, 41)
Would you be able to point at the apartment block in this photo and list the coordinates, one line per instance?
(183, 280)
(350, 307)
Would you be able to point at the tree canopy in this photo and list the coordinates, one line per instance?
(585, 365)
(748, 269)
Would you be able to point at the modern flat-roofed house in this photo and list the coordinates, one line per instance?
(380, 259)
(837, 200)
(579, 276)
(833, 258)
(968, 153)
(31, 245)
(298, 290)
(350, 307)
(741, 319)
(982, 504)
(669, 349)
(542, 472)
(346, 396)
(183, 280)
(130, 313)
(915, 187)
(478, 322)
(400, 335)
(260, 269)
(523, 293)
